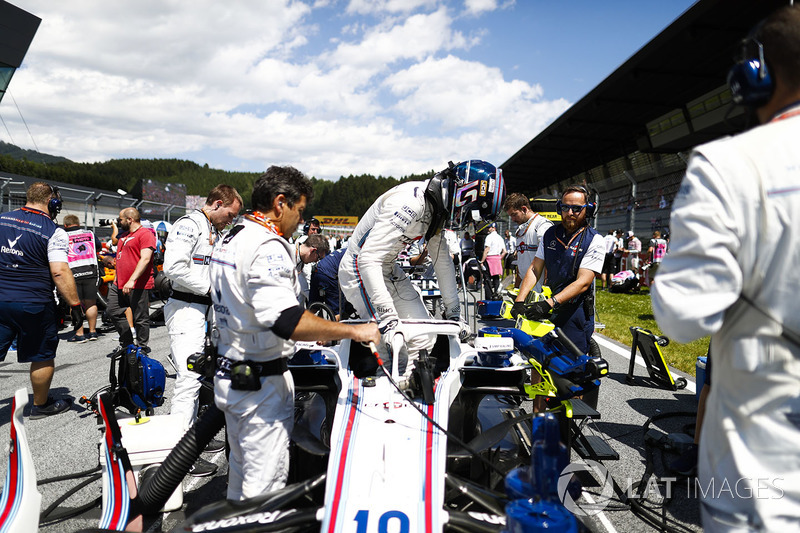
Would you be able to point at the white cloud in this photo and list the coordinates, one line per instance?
(416, 38)
(477, 7)
(366, 7)
(264, 83)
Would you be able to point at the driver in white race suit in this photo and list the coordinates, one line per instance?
(732, 273)
(255, 291)
(369, 275)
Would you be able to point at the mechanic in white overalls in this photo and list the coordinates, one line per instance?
(186, 259)
(529, 233)
(732, 272)
(369, 275)
(254, 288)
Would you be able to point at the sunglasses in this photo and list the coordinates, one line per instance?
(574, 208)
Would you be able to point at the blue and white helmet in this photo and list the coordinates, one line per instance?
(478, 193)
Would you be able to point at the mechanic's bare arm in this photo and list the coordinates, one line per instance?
(313, 328)
(530, 279)
(65, 283)
(141, 266)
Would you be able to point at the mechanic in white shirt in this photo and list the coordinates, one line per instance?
(571, 253)
(186, 258)
(368, 274)
(732, 273)
(255, 290)
(530, 232)
(313, 248)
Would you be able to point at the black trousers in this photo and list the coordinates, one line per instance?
(139, 302)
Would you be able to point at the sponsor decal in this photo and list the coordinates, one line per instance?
(328, 220)
(267, 517)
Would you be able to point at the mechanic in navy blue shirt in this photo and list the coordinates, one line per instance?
(33, 259)
(325, 284)
(572, 254)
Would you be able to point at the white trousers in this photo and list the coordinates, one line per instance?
(407, 302)
(186, 324)
(259, 425)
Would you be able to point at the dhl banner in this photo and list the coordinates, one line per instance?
(338, 221)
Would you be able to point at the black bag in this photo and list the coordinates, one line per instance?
(139, 384)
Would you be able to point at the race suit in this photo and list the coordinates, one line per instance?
(369, 276)
(563, 257)
(186, 260)
(735, 237)
(255, 290)
(529, 234)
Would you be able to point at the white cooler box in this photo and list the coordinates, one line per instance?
(150, 443)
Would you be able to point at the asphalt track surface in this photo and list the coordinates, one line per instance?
(68, 443)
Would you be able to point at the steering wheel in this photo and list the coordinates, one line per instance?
(322, 310)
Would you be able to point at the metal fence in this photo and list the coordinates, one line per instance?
(91, 206)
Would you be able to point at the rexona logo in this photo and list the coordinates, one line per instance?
(338, 221)
(10, 248)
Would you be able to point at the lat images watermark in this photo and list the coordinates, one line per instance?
(660, 488)
(581, 508)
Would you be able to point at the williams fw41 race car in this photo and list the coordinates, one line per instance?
(375, 449)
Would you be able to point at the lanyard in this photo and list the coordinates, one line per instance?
(568, 244)
(787, 114)
(260, 218)
(212, 233)
(36, 211)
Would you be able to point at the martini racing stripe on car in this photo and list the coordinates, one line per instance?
(116, 495)
(333, 500)
(12, 495)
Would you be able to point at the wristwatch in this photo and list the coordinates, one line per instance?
(556, 303)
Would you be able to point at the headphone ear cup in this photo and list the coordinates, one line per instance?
(558, 206)
(590, 209)
(750, 83)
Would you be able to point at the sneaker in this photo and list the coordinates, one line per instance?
(686, 464)
(52, 407)
(93, 336)
(214, 446)
(77, 339)
(202, 468)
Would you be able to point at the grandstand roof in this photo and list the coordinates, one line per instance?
(668, 97)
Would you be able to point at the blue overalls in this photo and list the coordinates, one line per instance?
(562, 258)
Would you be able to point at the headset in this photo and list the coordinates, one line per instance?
(749, 79)
(311, 221)
(591, 207)
(55, 204)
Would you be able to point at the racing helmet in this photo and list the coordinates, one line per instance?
(478, 193)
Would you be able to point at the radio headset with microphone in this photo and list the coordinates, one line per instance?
(591, 207)
(749, 79)
(55, 204)
(311, 221)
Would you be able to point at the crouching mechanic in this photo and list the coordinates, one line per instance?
(186, 260)
(572, 253)
(369, 276)
(255, 291)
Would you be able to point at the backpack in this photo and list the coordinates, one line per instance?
(140, 382)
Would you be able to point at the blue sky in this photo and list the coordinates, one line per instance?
(387, 87)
